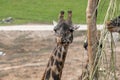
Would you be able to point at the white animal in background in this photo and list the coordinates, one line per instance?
(2, 53)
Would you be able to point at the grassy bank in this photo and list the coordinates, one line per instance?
(44, 11)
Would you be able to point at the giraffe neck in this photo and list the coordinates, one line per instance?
(56, 63)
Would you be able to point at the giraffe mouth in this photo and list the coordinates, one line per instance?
(108, 24)
(113, 28)
(65, 42)
(110, 27)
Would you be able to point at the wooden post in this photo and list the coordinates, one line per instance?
(91, 17)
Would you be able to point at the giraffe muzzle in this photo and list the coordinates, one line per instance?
(66, 41)
(60, 40)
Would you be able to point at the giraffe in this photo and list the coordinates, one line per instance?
(114, 25)
(64, 36)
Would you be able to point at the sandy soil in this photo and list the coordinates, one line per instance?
(27, 53)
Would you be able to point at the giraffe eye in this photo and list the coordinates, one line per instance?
(71, 30)
(55, 30)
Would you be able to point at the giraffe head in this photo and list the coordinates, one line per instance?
(114, 25)
(64, 29)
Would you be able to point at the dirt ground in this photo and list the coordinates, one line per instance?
(27, 54)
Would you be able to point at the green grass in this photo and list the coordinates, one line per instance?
(45, 11)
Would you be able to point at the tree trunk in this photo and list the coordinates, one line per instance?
(91, 17)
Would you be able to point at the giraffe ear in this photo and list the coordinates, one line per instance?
(75, 27)
(54, 23)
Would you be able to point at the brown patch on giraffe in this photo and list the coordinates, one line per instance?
(58, 40)
(55, 76)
